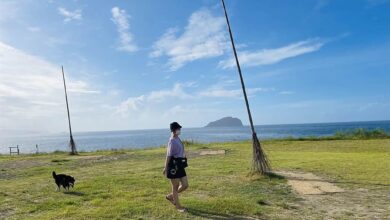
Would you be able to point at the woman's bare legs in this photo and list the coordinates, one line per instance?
(183, 184)
(178, 186)
(175, 193)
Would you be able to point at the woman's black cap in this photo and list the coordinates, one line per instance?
(174, 126)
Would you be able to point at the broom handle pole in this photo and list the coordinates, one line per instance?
(239, 69)
(66, 99)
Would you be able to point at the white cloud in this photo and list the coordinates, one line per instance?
(133, 104)
(200, 114)
(126, 39)
(80, 87)
(228, 88)
(31, 92)
(176, 92)
(231, 93)
(203, 37)
(162, 100)
(159, 99)
(286, 92)
(190, 103)
(70, 15)
(271, 56)
(34, 29)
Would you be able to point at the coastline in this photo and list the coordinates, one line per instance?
(355, 134)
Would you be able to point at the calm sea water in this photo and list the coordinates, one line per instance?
(90, 141)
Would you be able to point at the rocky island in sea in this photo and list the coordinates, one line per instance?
(226, 122)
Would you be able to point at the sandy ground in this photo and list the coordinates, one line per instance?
(309, 184)
(211, 152)
(321, 199)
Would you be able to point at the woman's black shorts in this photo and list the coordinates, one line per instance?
(176, 173)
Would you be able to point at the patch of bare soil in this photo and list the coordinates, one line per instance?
(4, 213)
(205, 152)
(309, 184)
(85, 160)
(321, 199)
(9, 169)
(211, 152)
(84, 157)
(22, 164)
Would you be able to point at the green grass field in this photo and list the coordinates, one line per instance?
(128, 184)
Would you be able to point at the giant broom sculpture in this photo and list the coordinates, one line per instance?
(260, 162)
(72, 144)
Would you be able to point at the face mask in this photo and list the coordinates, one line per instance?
(177, 132)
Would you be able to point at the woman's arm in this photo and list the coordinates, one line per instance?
(167, 161)
(166, 164)
(169, 155)
(184, 149)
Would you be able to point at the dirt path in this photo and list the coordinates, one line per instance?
(309, 184)
(211, 152)
(319, 198)
(206, 152)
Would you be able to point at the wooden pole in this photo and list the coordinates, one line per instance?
(260, 163)
(71, 142)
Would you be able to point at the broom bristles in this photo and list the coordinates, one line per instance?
(260, 161)
(72, 146)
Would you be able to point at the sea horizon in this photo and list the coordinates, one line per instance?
(146, 129)
(146, 138)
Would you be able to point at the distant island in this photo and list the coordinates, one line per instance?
(226, 122)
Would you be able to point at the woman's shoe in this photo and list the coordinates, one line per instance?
(181, 209)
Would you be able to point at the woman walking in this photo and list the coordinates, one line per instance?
(175, 164)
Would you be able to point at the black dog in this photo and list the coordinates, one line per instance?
(63, 180)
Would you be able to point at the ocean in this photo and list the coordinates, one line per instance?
(91, 141)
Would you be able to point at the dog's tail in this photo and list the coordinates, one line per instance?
(54, 174)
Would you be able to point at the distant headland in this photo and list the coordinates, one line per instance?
(226, 122)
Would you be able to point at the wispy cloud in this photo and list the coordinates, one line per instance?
(176, 92)
(231, 93)
(286, 92)
(126, 39)
(70, 15)
(144, 101)
(203, 37)
(271, 56)
(81, 87)
(184, 101)
(179, 94)
(187, 102)
(226, 87)
(130, 104)
(33, 29)
(31, 88)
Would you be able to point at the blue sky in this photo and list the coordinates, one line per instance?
(143, 64)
